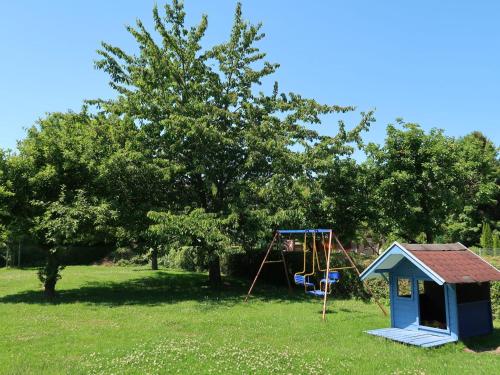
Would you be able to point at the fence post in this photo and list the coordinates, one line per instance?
(19, 255)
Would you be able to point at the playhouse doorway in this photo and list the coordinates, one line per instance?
(432, 305)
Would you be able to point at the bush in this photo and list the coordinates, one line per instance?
(137, 260)
(123, 262)
(182, 258)
(126, 256)
(121, 255)
(380, 290)
(495, 299)
(495, 288)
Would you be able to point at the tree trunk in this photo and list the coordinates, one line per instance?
(154, 259)
(429, 236)
(214, 275)
(50, 288)
(50, 275)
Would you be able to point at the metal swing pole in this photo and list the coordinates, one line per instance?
(262, 265)
(285, 267)
(327, 274)
(359, 273)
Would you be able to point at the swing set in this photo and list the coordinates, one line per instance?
(283, 241)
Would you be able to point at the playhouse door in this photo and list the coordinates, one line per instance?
(404, 308)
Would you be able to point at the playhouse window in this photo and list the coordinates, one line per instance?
(404, 287)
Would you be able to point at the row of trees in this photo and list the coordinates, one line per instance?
(190, 153)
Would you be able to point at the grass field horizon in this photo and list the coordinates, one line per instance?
(110, 320)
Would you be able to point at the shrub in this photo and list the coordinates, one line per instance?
(126, 257)
(495, 299)
(380, 290)
(181, 258)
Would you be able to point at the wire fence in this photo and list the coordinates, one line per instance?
(488, 252)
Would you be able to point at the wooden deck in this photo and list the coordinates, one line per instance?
(417, 338)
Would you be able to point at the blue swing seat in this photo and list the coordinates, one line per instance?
(316, 293)
(302, 280)
(333, 277)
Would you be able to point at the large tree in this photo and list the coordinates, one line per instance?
(415, 181)
(65, 222)
(232, 152)
(479, 169)
(73, 163)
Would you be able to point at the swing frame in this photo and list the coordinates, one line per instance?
(278, 234)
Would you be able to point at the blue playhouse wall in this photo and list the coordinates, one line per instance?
(405, 311)
(475, 317)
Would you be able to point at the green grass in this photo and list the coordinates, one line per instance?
(116, 320)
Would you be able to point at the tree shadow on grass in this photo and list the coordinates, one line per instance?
(488, 343)
(159, 288)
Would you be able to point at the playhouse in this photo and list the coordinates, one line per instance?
(439, 293)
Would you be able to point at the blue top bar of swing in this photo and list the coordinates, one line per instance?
(291, 231)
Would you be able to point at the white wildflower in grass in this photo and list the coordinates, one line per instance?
(184, 354)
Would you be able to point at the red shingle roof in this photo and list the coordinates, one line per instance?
(454, 263)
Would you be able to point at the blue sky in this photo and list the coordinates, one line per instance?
(436, 63)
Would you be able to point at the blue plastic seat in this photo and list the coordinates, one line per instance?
(302, 280)
(316, 293)
(333, 277)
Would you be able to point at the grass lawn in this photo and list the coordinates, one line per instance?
(116, 320)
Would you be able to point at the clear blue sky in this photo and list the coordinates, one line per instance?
(432, 62)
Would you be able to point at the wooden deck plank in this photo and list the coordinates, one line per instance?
(411, 337)
(403, 336)
(422, 340)
(395, 333)
(437, 343)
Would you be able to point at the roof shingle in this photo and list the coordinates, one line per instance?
(434, 246)
(454, 262)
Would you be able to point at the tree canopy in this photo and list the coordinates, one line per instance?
(416, 180)
(227, 149)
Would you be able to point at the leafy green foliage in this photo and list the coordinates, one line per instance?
(486, 237)
(132, 185)
(415, 181)
(195, 230)
(479, 168)
(496, 241)
(429, 187)
(235, 154)
(66, 165)
(6, 196)
(73, 220)
(65, 222)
